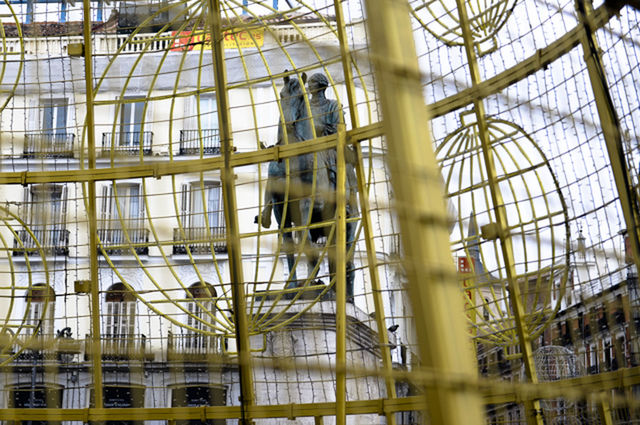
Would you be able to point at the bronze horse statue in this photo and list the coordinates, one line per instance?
(310, 197)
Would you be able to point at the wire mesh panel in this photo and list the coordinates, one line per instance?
(203, 204)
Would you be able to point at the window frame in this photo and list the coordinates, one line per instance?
(119, 315)
(40, 311)
(199, 211)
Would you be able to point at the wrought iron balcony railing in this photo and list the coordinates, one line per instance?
(199, 240)
(153, 42)
(194, 141)
(115, 241)
(122, 347)
(30, 348)
(48, 145)
(194, 346)
(53, 241)
(127, 142)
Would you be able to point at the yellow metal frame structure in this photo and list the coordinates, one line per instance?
(450, 389)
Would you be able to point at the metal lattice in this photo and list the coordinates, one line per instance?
(319, 212)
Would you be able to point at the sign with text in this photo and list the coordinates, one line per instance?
(465, 267)
(200, 40)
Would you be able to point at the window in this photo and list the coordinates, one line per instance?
(131, 119)
(129, 139)
(609, 355)
(48, 134)
(124, 395)
(201, 220)
(593, 358)
(46, 205)
(200, 134)
(201, 205)
(120, 312)
(199, 395)
(44, 212)
(205, 108)
(37, 397)
(54, 116)
(622, 354)
(40, 306)
(201, 314)
(122, 206)
(121, 228)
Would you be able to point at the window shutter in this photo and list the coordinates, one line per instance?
(61, 118)
(119, 318)
(140, 203)
(138, 117)
(125, 122)
(109, 322)
(27, 206)
(131, 319)
(197, 205)
(210, 205)
(199, 112)
(62, 219)
(188, 122)
(47, 320)
(191, 308)
(106, 204)
(35, 314)
(33, 122)
(207, 311)
(216, 210)
(134, 213)
(184, 205)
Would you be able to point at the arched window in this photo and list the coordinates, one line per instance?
(120, 312)
(40, 300)
(201, 298)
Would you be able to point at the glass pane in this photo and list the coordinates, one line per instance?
(208, 113)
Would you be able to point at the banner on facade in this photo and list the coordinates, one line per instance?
(466, 267)
(201, 40)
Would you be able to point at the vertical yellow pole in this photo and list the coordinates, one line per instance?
(613, 141)
(341, 276)
(433, 283)
(231, 213)
(96, 352)
(604, 411)
(532, 407)
(364, 211)
(610, 128)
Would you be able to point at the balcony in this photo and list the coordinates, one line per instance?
(192, 142)
(127, 143)
(38, 348)
(200, 240)
(114, 241)
(192, 346)
(121, 347)
(48, 145)
(603, 324)
(50, 241)
(107, 44)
